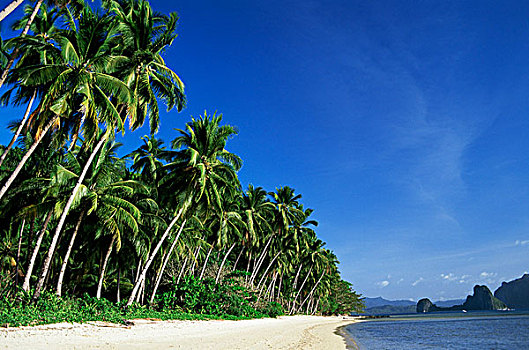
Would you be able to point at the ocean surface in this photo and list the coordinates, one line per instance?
(472, 330)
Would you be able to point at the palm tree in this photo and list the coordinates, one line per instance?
(79, 84)
(43, 27)
(149, 158)
(201, 166)
(143, 37)
(107, 196)
(25, 31)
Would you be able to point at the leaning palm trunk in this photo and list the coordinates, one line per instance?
(29, 271)
(104, 268)
(118, 297)
(167, 257)
(268, 268)
(139, 297)
(17, 265)
(195, 258)
(238, 257)
(182, 270)
(260, 260)
(278, 295)
(299, 291)
(51, 250)
(24, 159)
(222, 264)
(315, 307)
(19, 129)
(153, 255)
(10, 8)
(67, 255)
(248, 268)
(270, 289)
(313, 289)
(295, 284)
(205, 263)
(23, 34)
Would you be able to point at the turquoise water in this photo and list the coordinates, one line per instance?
(442, 331)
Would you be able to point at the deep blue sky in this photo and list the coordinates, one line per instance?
(404, 124)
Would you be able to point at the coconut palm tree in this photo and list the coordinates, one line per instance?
(201, 166)
(144, 36)
(15, 53)
(78, 83)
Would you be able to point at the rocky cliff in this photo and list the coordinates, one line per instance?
(481, 300)
(515, 294)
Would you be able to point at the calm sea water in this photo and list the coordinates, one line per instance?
(445, 331)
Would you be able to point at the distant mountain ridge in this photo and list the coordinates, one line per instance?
(379, 301)
(379, 305)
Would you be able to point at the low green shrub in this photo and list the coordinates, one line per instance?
(206, 297)
(192, 299)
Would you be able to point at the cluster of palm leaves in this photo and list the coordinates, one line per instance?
(76, 217)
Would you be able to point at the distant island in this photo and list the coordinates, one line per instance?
(515, 294)
(381, 306)
(510, 295)
(481, 300)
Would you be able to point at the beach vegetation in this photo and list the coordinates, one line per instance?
(166, 231)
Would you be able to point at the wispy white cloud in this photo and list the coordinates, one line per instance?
(464, 278)
(485, 274)
(417, 281)
(382, 284)
(449, 277)
(518, 242)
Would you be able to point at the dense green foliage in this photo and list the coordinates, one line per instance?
(165, 226)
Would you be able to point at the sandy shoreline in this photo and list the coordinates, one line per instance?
(289, 332)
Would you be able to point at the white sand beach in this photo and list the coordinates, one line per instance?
(288, 332)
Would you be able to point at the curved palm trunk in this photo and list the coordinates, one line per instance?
(51, 250)
(268, 290)
(195, 257)
(248, 267)
(182, 270)
(313, 289)
(260, 260)
(118, 297)
(23, 34)
(24, 159)
(278, 295)
(104, 268)
(17, 265)
(222, 264)
(295, 284)
(205, 263)
(299, 291)
(10, 8)
(238, 257)
(315, 307)
(167, 257)
(268, 268)
(153, 255)
(67, 255)
(19, 129)
(29, 271)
